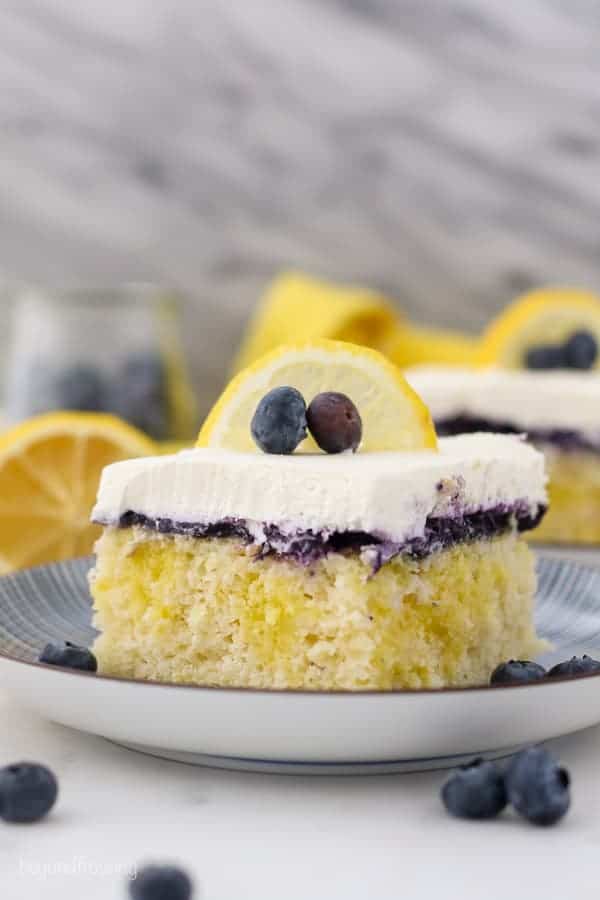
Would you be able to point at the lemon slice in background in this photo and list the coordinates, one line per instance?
(393, 415)
(50, 468)
(548, 316)
(299, 308)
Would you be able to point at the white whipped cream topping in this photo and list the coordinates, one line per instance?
(388, 494)
(568, 401)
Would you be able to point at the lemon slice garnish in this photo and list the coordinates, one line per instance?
(548, 316)
(50, 468)
(393, 415)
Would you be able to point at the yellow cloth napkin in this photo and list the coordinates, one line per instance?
(298, 308)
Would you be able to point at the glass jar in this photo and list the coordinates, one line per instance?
(114, 350)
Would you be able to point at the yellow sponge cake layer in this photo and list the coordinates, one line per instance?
(207, 611)
(574, 493)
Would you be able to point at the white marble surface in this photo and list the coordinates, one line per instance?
(446, 150)
(265, 837)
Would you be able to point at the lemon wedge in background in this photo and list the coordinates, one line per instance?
(393, 416)
(50, 468)
(299, 308)
(548, 316)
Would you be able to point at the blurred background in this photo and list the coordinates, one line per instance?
(445, 152)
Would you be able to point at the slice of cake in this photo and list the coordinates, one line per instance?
(539, 377)
(560, 414)
(362, 571)
(367, 570)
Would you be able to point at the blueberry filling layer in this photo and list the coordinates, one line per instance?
(305, 546)
(564, 439)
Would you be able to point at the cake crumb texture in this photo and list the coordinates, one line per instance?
(179, 609)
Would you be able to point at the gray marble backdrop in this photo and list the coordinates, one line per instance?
(446, 151)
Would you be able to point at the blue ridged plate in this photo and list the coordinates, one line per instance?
(296, 731)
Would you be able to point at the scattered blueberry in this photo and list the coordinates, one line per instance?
(538, 787)
(69, 655)
(80, 388)
(517, 671)
(334, 422)
(581, 350)
(28, 792)
(279, 423)
(160, 883)
(475, 791)
(577, 665)
(546, 357)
